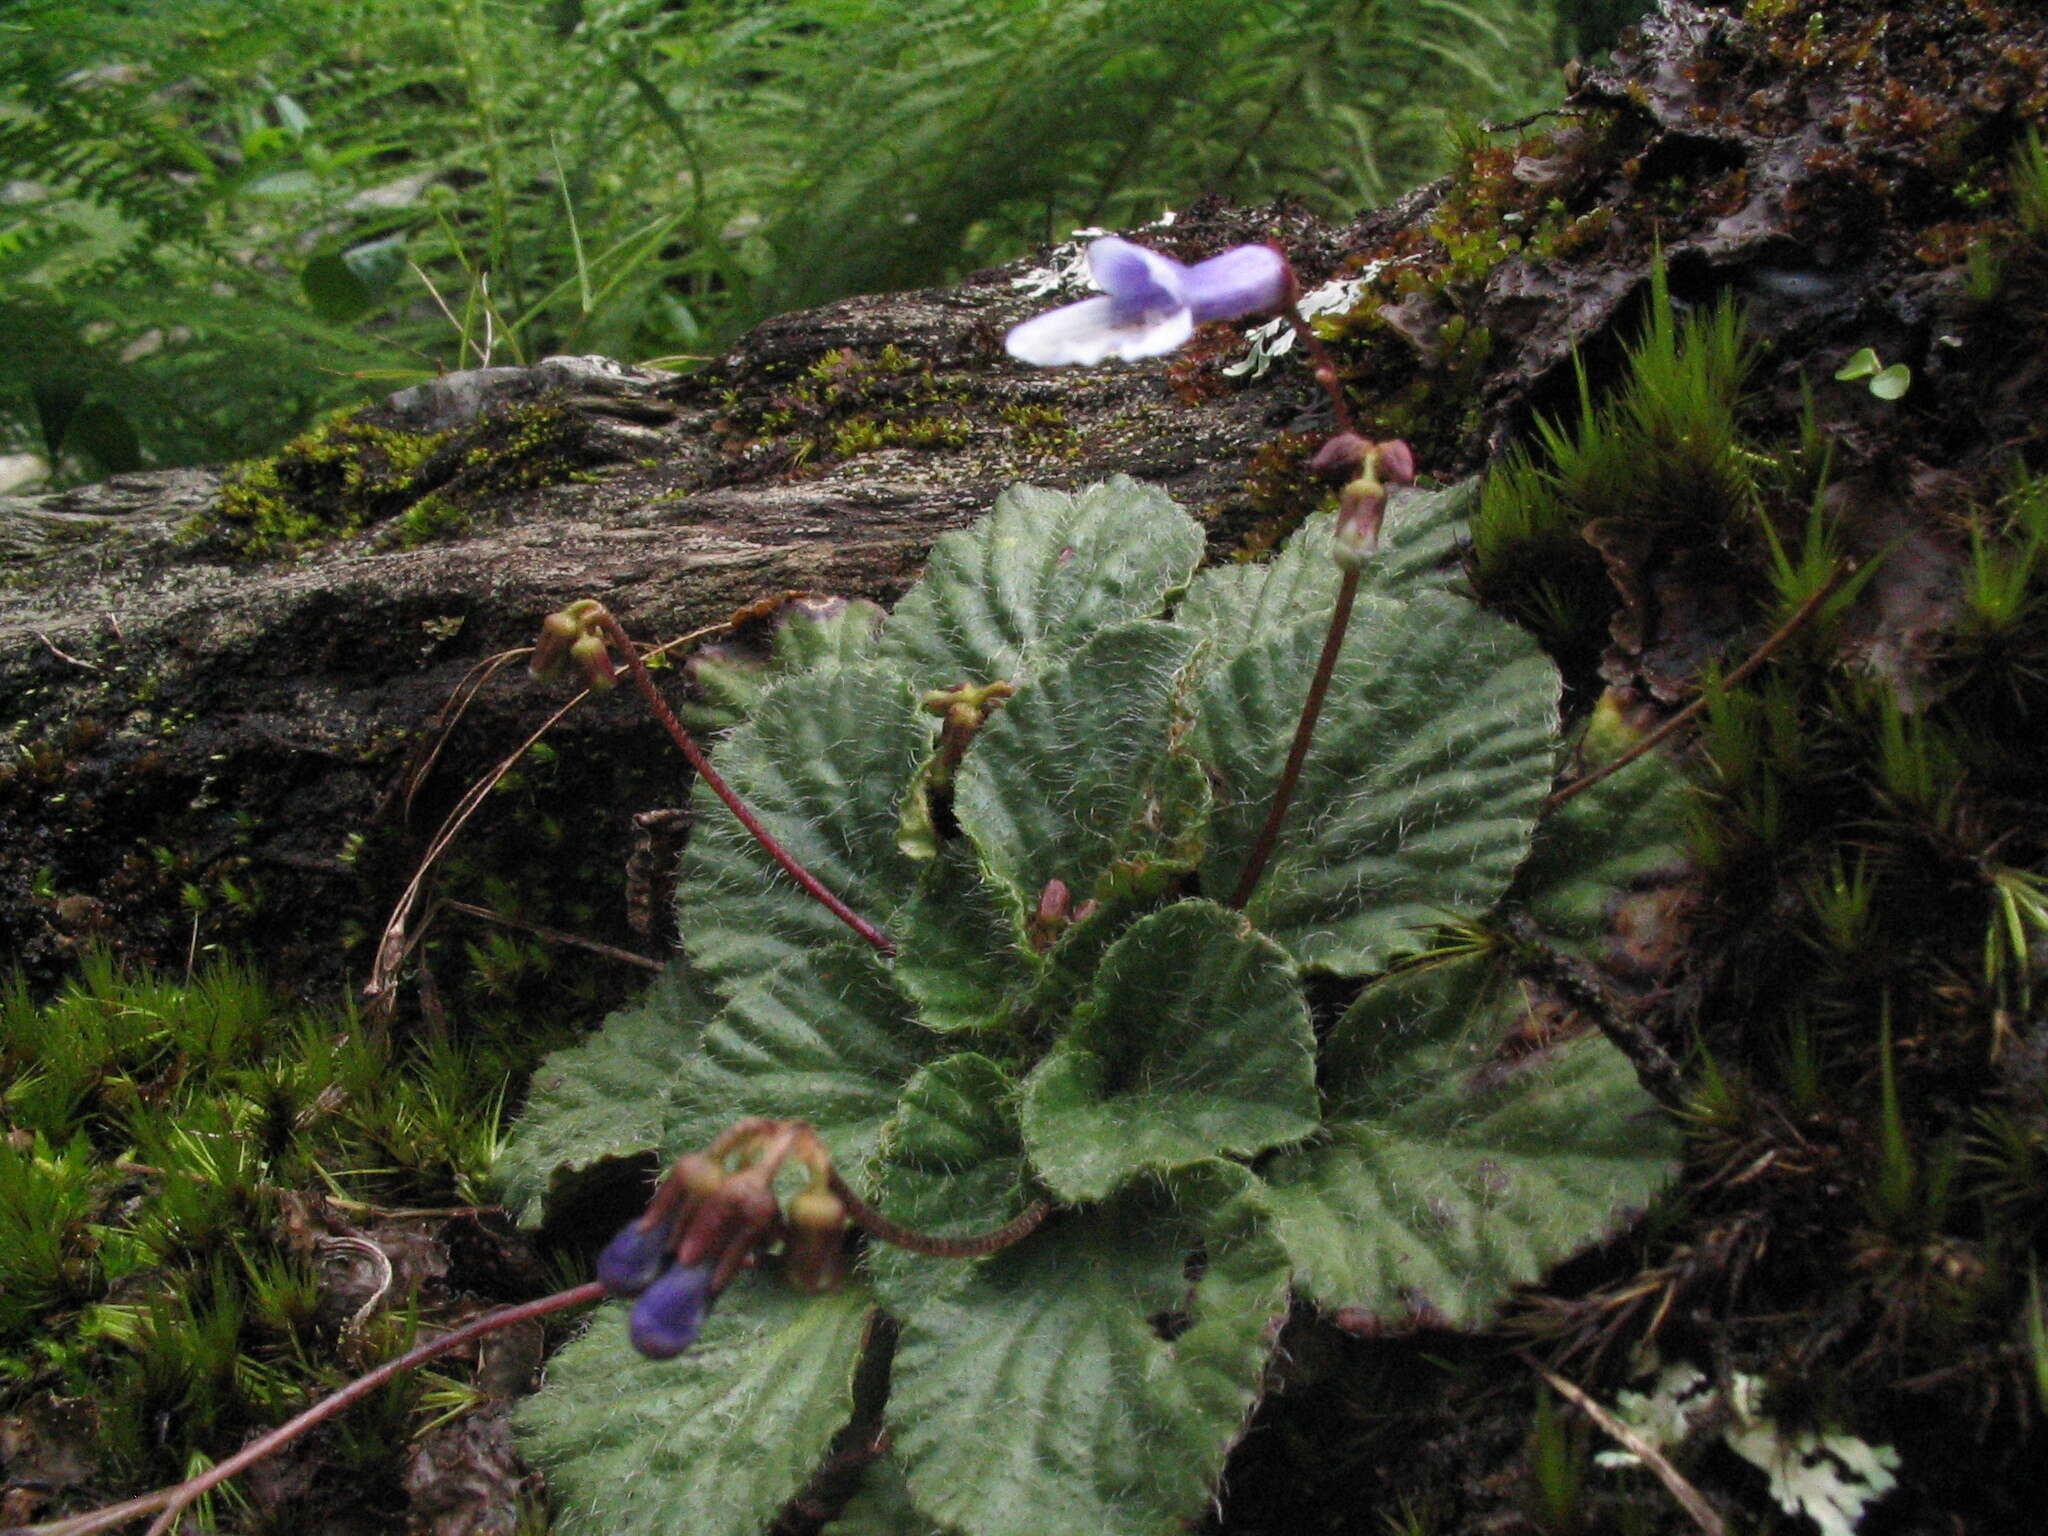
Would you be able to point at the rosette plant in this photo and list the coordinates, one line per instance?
(1044, 777)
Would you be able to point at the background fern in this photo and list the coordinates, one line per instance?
(218, 219)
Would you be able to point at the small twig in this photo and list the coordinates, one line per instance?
(1763, 653)
(555, 935)
(168, 1503)
(973, 1247)
(62, 655)
(812, 886)
(1587, 989)
(1690, 1499)
(395, 943)
(1304, 733)
(449, 715)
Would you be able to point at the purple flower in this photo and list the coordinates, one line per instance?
(666, 1319)
(634, 1259)
(1151, 303)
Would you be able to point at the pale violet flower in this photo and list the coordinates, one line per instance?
(1151, 303)
(1066, 264)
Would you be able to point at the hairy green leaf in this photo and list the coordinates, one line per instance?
(1037, 578)
(1448, 1176)
(713, 1442)
(825, 1037)
(1066, 781)
(612, 1095)
(1040, 1393)
(805, 634)
(822, 763)
(951, 1163)
(957, 954)
(1194, 1041)
(1235, 605)
(1625, 830)
(1432, 758)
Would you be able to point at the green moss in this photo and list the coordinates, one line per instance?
(161, 1136)
(328, 483)
(1414, 348)
(1043, 428)
(1663, 448)
(430, 519)
(352, 474)
(846, 405)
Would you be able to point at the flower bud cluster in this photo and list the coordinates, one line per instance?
(706, 1223)
(1055, 911)
(575, 637)
(965, 710)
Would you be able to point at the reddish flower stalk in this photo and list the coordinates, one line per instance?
(876, 1224)
(1321, 363)
(812, 886)
(1304, 733)
(1360, 508)
(168, 1503)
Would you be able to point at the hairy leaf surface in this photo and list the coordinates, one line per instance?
(957, 954)
(1038, 1394)
(806, 634)
(1193, 1042)
(1625, 830)
(1235, 605)
(1066, 780)
(613, 1095)
(1450, 1177)
(823, 764)
(713, 1442)
(826, 1038)
(951, 1163)
(1037, 577)
(1432, 758)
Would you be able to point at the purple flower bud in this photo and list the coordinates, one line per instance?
(1152, 303)
(1341, 457)
(667, 1318)
(634, 1259)
(1396, 463)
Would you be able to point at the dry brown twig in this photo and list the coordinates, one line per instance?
(1690, 1499)
(399, 938)
(552, 935)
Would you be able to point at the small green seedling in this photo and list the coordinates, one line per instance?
(1887, 383)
